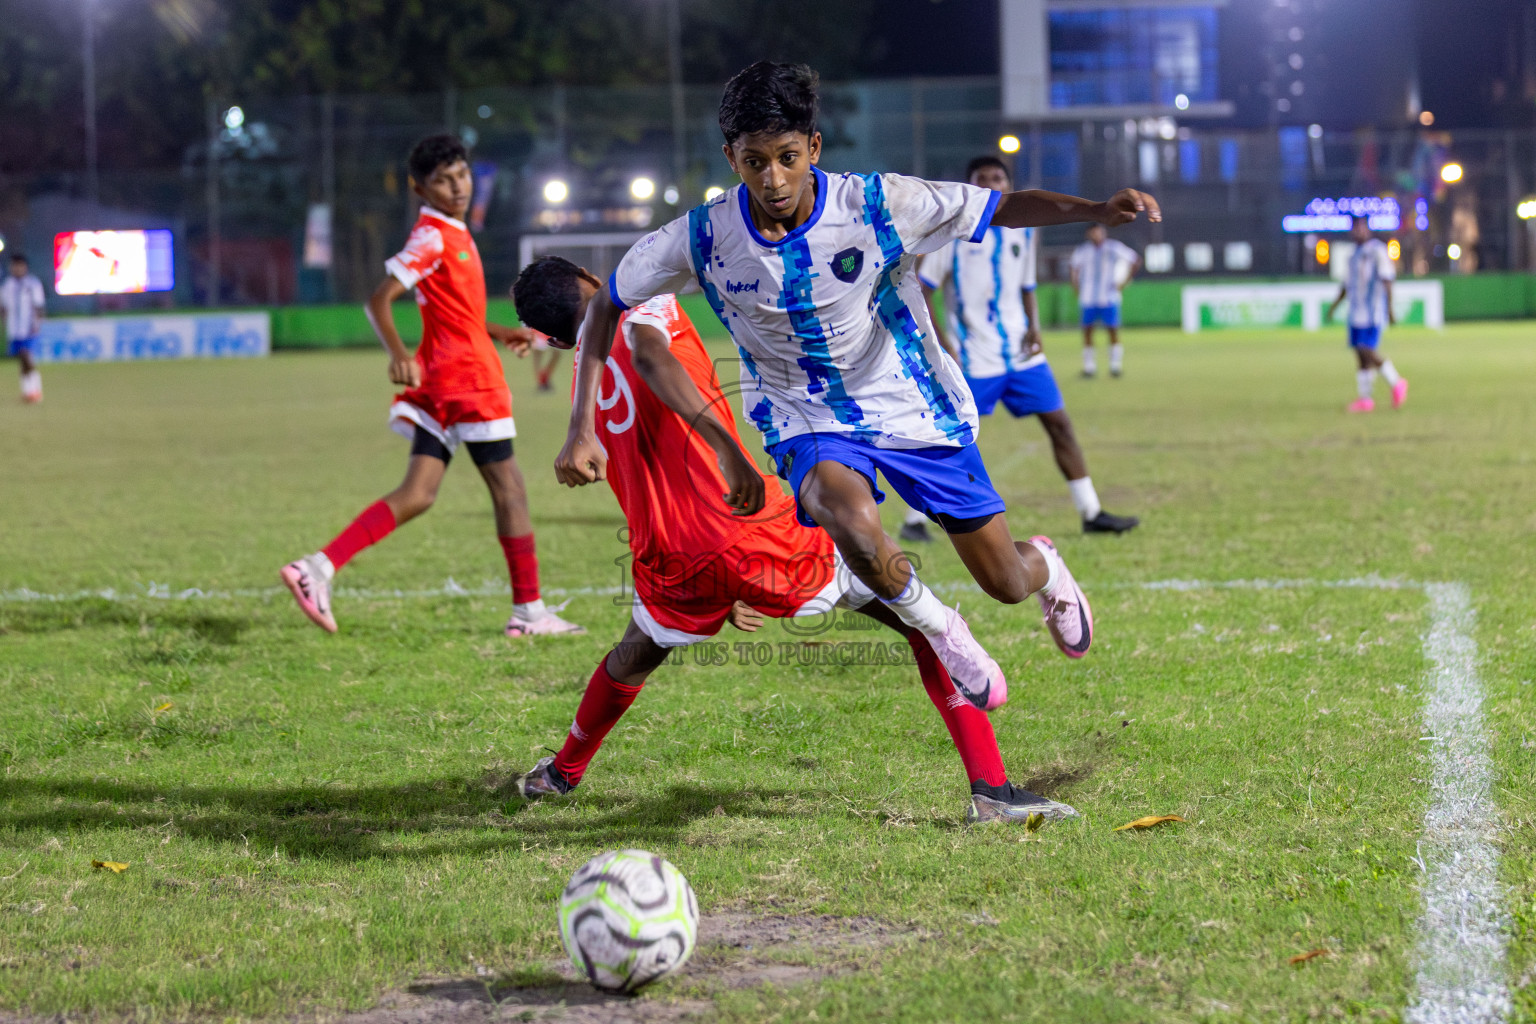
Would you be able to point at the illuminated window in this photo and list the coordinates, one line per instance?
(1158, 258)
(1199, 256)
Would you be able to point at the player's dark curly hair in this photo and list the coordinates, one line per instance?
(769, 97)
(987, 160)
(547, 297)
(433, 152)
(19, 257)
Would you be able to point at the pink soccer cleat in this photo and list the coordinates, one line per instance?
(1399, 392)
(311, 590)
(1363, 405)
(548, 624)
(977, 677)
(1067, 613)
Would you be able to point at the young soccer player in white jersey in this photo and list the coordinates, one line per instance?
(22, 298)
(841, 372)
(1368, 287)
(994, 333)
(1101, 268)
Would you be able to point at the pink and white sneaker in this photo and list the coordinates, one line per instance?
(1399, 392)
(548, 624)
(311, 590)
(1067, 613)
(1363, 405)
(976, 675)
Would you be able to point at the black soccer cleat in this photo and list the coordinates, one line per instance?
(916, 532)
(543, 780)
(1108, 522)
(1010, 804)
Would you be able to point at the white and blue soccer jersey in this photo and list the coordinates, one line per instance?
(830, 321)
(1101, 271)
(1370, 268)
(21, 298)
(983, 285)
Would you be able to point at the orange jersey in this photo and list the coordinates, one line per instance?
(665, 476)
(441, 262)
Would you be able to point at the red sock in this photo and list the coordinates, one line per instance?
(522, 566)
(375, 523)
(601, 707)
(968, 726)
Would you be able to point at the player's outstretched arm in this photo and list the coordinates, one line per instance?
(1035, 208)
(582, 459)
(403, 367)
(670, 382)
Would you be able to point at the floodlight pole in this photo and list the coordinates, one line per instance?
(92, 177)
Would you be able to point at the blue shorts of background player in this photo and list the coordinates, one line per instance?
(1027, 392)
(949, 485)
(20, 346)
(1364, 337)
(1109, 316)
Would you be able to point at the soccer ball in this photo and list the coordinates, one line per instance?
(628, 918)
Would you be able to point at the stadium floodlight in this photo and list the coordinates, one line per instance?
(1008, 143)
(234, 118)
(1426, 118)
(1314, 131)
(1322, 251)
(1453, 251)
(642, 188)
(671, 195)
(713, 192)
(1395, 249)
(1527, 209)
(1450, 173)
(1181, 101)
(556, 191)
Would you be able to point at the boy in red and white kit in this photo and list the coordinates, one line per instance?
(455, 393)
(713, 538)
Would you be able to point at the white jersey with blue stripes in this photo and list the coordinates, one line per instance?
(830, 321)
(1101, 271)
(983, 285)
(1370, 268)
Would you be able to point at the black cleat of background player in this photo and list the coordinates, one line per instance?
(1107, 522)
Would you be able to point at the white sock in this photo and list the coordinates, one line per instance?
(1085, 497)
(530, 611)
(1053, 571)
(1116, 357)
(322, 563)
(1389, 373)
(919, 608)
(1090, 365)
(1365, 380)
(914, 517)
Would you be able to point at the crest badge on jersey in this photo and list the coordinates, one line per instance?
(847, 265)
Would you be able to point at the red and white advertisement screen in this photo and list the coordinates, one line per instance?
(113, 262)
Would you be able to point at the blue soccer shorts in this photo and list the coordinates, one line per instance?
(939, 481)
(1026, 392)
(20, 345)
(1109, 316)
(1364, 337)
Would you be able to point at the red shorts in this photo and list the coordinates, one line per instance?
(452, 418)
(782, 569)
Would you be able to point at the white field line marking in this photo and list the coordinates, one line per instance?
(1461, 976)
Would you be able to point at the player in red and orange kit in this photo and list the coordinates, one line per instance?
(712, 537)
(455, 393)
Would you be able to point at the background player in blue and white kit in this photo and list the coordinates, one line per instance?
(1368, 287)
(1101, 268)
(812, 274)
(22, 299)
(994, 333)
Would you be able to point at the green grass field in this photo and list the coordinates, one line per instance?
(312, 822)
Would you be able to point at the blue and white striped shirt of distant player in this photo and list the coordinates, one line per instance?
(983, 285)
(1100, 272)
(1370, 267)
(830, 321)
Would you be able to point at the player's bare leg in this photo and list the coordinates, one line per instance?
(839, 500)
(1116, 353)
(1009, 571)
(1074, 466)
(418, 491)
(1090, 365)
(610, 692)
(31, 380)
(514, 529)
